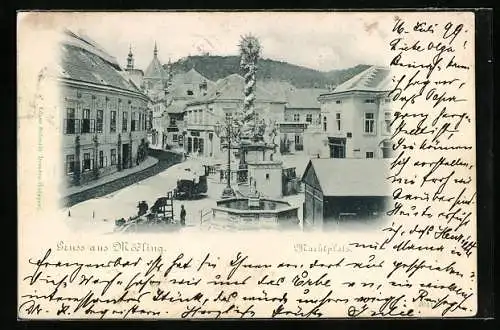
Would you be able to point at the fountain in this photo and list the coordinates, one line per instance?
(256, 203)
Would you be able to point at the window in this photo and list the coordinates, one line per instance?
(113, 156)
(86, 127)
(134, 125)
(99, 121)
(175, 138)
(267, 176)
(173, 122)
(387, 122)
(86, 161)
(70, 121)
(201, 146)
(296, 117)
(124, 121)
(369, 123)
(338, 102)
(101, 159)
(112, 123)
(70, 164)
(338, 121)
(189, 92)
(369, 154)
(309, 118)
(324, 124)
(370, 101)
(298, 143)
(228, 116)
(195, 144)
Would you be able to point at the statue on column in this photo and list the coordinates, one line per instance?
(250, 51)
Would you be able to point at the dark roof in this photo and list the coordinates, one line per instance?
(350, 177)
(81, 65)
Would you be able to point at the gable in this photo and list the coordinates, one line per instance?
(310, 177)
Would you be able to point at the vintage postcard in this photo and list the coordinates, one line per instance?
(190, 165)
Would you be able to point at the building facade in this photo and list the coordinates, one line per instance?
(185, 87)
(302, 122)
(104, 113)
(356, 116)
(344, 189)
(224, 100)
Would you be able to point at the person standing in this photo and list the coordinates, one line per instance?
(183, 216)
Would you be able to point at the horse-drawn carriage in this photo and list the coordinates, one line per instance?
(191, 182)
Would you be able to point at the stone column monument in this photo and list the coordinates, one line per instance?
(257, 138)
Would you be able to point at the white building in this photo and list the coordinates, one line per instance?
(223, 100)
(104, 112)
(356, 116)
(302, 122)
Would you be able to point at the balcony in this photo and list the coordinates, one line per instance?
(292, 127)
(199, 127)
(79, 126)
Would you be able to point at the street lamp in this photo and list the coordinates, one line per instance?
(228, 191)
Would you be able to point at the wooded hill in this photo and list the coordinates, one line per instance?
(217, 67)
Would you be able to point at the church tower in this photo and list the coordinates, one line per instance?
(155, 76)
(130, 59)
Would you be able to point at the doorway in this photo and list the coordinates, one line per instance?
(125, 155)
(337, 147)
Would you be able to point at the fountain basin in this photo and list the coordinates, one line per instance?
(245, 214)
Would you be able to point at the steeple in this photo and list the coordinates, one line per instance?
(130, 59)
(155, 70)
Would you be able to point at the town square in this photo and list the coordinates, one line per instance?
(233, 142)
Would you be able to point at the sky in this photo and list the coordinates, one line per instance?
(321, 41)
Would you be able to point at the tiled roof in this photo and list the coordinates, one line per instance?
(305, 98)
(232, 88)
(373, 79)
(184, 81)
(190, 77)
(176, 107)
(82, 41)
(82, 65)
(155, 70)
(280, 89)
(351, 177)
